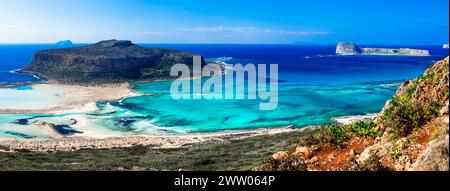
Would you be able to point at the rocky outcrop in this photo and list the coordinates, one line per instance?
(350, 48)
(410, 134)
(111, 61)
(414, 124)
(347, 48)
(434, 157)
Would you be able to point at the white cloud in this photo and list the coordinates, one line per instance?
(17, 27)
(249, 30)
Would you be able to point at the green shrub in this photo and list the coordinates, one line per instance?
(373, 164)
(340, 133)
(395, 153)
(427, 76)
(331, 134)
(412, 89)
(405, 118)
(387, 113)
(364, 128)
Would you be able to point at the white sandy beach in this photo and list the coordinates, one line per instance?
(57, 98)
(345, 120)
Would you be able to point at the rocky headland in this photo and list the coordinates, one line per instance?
(410, 134)
(350, 48)
(106, 62)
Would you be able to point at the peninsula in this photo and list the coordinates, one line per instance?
(350, 48)
(106, 62)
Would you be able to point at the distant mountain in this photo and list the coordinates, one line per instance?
(64, 42)
(109, 61)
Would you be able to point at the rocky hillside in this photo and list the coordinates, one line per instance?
(108, 61)
(411, 133)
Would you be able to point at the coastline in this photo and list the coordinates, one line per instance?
(78, 99)
(94, 140)
(155, 141)
(71, 98)
(345, 120)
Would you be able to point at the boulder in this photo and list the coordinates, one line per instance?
(279, 155)
(434, 157)
(347, 48)
(304, 152)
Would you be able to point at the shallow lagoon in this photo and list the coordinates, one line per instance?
(26, 97)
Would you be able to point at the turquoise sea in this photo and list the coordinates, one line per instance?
(314, 86)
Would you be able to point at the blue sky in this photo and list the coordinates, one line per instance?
(231, 21)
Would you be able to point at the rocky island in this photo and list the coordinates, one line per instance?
(350, 48)
(64, 42)
(110, 61)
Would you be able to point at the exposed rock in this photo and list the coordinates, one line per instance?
(372, 163)
(351, 152)
(434, 157)
(347, 48)
(279, 155)
(313, 160)
(331, 157)
(304, 152)
(391, 51)
(427, 98)
(399, 167)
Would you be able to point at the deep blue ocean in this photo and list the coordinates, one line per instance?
(307, 64)
(315, 85)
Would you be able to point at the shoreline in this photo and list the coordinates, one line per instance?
(155, 141)
(71, 98)
(345, 120)
(77, 98)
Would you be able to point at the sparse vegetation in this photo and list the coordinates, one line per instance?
(396, 152)
(330, 134)
(408, 121)
(408, 111)
(337, 135)
(243, 154)
(364, 128)
(373, 164)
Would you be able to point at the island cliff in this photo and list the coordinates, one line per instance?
(110, 61)
(349, 48)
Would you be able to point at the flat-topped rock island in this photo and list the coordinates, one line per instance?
(350, 48)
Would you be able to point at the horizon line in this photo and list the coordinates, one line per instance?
(221, 43)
